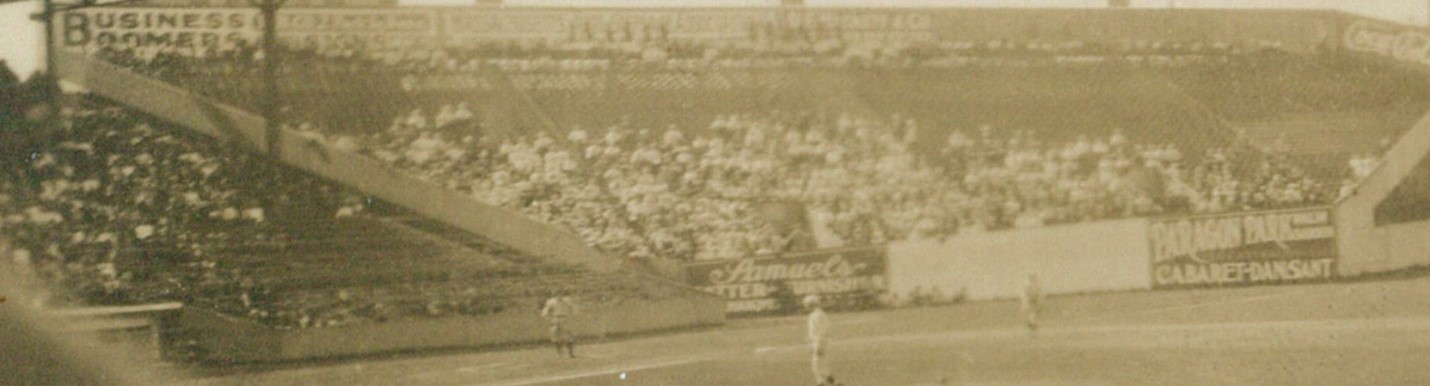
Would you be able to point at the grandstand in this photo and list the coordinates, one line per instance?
(120, 208)
(431, 185)
(1202, 96)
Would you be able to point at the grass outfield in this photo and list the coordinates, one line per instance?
(1333, 334)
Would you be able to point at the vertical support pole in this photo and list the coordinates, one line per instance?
(272, 100)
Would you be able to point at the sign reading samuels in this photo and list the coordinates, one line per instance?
(754, 285)
(1243, 248)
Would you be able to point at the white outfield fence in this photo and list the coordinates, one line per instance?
(1231, 249)
(1100, 256)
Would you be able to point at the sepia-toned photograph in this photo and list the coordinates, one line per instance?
(714, 192)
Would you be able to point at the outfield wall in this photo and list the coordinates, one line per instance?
(1091, 257)
(1173, 252)
(1243, 248)
(844, 278)
(1366, 248)
(234, 339)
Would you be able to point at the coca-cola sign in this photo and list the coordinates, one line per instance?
(761, 284)
(1402, 43)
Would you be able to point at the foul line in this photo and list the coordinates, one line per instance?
(672, 362)
(1153, 311)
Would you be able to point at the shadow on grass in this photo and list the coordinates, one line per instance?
(214, 368)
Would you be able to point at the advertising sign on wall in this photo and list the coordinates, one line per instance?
(286, 4)
(756, 285)
(1398, 42)
(197, 23)
(194, 28)
(1243, 248)
(203, 27)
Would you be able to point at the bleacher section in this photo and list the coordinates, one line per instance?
(1318, 104)
(361, 173)
(231, 233)
(1200, 103)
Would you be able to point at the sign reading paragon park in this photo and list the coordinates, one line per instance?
(752, 285)
(1243, 248)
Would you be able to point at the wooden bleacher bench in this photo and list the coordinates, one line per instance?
(117, 310)
(101, 320)
(111, 324)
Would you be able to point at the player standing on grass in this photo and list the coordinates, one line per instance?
(1032, 297)
(558, 310)
(818, 339)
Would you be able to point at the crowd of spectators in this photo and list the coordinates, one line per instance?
(238, 61)
(102, 187)
(389, 71)
(351, 85)
(520, 58)
(101, 206)
(690, 193)
(102, 203)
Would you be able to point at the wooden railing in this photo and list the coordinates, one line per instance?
(153, 319)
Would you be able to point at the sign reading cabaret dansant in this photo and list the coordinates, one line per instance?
(1399, 42)
(1243, 248)
(750, 284)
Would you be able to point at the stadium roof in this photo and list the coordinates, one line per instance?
(1404, 11)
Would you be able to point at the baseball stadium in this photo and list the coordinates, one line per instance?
(367, 192)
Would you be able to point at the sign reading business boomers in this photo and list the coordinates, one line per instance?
(756, 285)
(1243, 248)
(223, 28)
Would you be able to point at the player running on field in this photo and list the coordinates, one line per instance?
(558, 310)
(818, 340)
(1032, 297)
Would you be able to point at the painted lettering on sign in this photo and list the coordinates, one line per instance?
(1402, 43)
(1243, 248)
(755, 284)
(223, 28)
(748, 270)
(1243, 272)
(1191, 237)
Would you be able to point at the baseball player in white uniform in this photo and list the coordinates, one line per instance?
(818, 340)
(558, 310)
(1032, 297)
